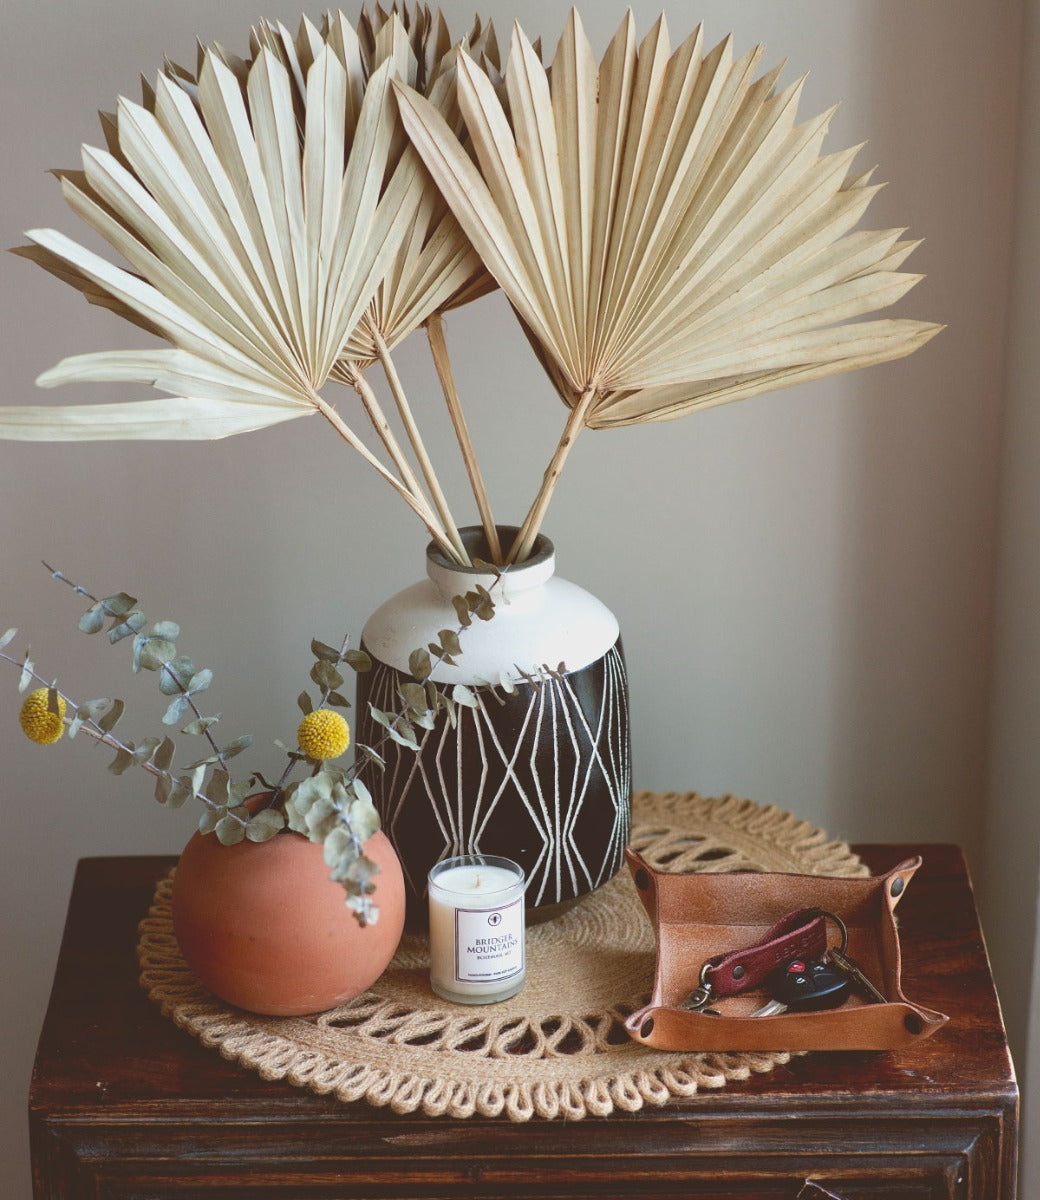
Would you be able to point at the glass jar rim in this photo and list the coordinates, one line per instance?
(519, 879)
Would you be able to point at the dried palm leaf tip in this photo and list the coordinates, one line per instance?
(667, 234)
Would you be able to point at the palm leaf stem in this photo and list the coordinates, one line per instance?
(416, 503)
(533, 521)
(441, 360)
(418, 446)
(353, 374)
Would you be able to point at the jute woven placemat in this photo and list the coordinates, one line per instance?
(558, 1049)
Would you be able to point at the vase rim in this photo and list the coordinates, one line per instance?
(476, 545)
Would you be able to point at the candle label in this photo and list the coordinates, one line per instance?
(489, 943)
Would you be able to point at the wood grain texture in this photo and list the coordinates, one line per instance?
(123, 1104)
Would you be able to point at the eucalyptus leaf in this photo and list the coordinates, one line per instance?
(363, 818)
(380, 717)
(175, 675)
(371, 755)
(229, 831)
(177, 708)
(449, 640)
(134, 623)
(7, 638)
(200, 681)
(240, 791)
(168, 630)
(154, 651)
(28, 667)
(237, 746)
(462, 611)
(90, 710)
(357, 660)
(463, 696)
(180, 793)
(305, 703)
(93, 620)
(337, 700)
(403, 734)
(209, 818)
(217, 787)
(414, 696)
(265, 825)
(419, 665)
(146, 749)
(163, 755)
(163, 789)
(73, 727)
(325, 675)
(119, 604)
(322, 651)
(195, 728)
(123, 759)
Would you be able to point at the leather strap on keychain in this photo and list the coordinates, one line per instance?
(800, 934)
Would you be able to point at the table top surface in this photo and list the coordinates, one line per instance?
(105, 1044)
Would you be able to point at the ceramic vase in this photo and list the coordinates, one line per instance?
(264, 927)
(539, 774)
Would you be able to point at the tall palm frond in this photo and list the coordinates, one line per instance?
(275, 221)
(666, 232)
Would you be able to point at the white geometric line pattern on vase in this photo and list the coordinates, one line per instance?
(550, 759)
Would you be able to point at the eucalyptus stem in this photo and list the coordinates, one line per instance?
(441, 360)
(536, 515)
(419, 448)
(92, 730)
(165, 667)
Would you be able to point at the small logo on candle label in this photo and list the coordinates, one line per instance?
(495, 918)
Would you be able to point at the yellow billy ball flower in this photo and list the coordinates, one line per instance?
(38, 723)
(323, 734)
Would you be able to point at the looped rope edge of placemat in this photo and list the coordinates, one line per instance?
(398, 1045)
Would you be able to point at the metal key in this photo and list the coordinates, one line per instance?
(805, 985)
(847, 964)
(855, 973)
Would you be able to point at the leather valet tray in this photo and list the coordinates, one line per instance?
(702, 915)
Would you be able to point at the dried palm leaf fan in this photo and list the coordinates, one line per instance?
(273, 210)
(667, 234)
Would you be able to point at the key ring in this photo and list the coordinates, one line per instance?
(842, 927)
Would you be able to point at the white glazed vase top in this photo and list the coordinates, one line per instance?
(541, 775)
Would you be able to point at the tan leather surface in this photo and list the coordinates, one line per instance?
(698, 915)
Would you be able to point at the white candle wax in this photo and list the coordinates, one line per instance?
(476, 929)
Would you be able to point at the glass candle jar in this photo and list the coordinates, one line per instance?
(476, 928)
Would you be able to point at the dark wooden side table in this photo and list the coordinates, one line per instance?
(123, 1104)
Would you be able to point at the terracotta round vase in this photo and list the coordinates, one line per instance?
(539, 771)
(264, 927)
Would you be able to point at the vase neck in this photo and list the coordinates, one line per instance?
(452, 579)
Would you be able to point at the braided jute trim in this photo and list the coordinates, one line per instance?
(556, 1050)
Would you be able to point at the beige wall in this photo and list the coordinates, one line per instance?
(805, 581)
(1011, 869)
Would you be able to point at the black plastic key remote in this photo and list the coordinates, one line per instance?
(805, 985)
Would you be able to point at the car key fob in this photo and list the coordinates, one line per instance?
(805, 985)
